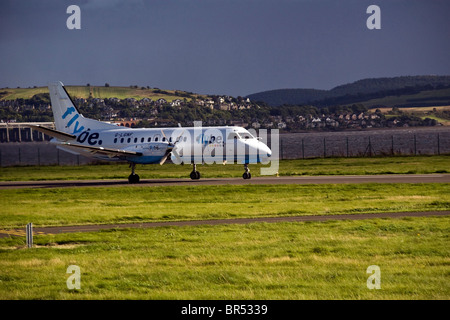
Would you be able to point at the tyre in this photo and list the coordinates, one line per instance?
(133, 178)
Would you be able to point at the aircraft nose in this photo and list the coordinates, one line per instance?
(265, 150)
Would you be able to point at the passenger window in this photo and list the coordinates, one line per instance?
(164, 139)
(121, 140)
(156, 139)
(135, 140)
(149, 139)
(115, 140)
(129, 140)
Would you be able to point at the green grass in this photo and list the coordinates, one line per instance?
(431, 97)
(443, 121)
(311, 260)
(102, 205)
(96, 91)
(257, 261)
(320, 166)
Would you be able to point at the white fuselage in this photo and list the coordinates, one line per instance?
(106, 141)
(190, 145)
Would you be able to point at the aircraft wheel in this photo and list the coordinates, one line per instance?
(133, 178)
(195, 175)
(247, 175)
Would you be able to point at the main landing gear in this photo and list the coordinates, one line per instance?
(133, 177)
(247, 174)
(195, 175)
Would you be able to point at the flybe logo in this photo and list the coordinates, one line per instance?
(73, 120)
(209, 139)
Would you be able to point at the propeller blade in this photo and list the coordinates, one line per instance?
(171, 148)
(176, 155)
(178, 138)
(164, 135)
(164, 159)
(166, 155)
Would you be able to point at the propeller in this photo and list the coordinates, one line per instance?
(170, 148)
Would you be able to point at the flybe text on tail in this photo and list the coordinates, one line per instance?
(68, 112)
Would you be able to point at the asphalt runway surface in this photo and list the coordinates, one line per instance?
(426, 178)
(389, 178)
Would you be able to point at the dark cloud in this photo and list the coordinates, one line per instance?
(220, 46)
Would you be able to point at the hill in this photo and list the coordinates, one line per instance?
(374, 92)
(101, 92)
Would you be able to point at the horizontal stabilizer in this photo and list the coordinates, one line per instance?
(54, 133)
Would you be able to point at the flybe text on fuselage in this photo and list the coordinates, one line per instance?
(92, 138)
(205, 139)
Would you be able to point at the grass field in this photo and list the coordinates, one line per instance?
(94, 91)
(431, 97)
(422, 112)
(311, 260)
(306, 167)
(412, 109)
(256, 261)
(74, 206)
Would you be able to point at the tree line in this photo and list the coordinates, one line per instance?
(148, 114)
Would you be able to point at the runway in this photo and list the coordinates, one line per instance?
(318, 218)
(389, 178)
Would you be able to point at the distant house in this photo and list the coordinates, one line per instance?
(282, 125)
(145, 101)
(176, 103)
(289, 119)
(256, 125)
(161, 101)
(114, 100)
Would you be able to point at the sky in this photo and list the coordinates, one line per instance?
(230, 47)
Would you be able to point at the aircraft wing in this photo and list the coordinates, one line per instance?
(111, 153)
(53, 133)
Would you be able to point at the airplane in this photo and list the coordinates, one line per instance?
(105, 141)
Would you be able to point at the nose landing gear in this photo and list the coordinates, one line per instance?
(247, 174)
(195, 175)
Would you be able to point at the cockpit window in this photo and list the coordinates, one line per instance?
(246, 135)
(234, 135)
